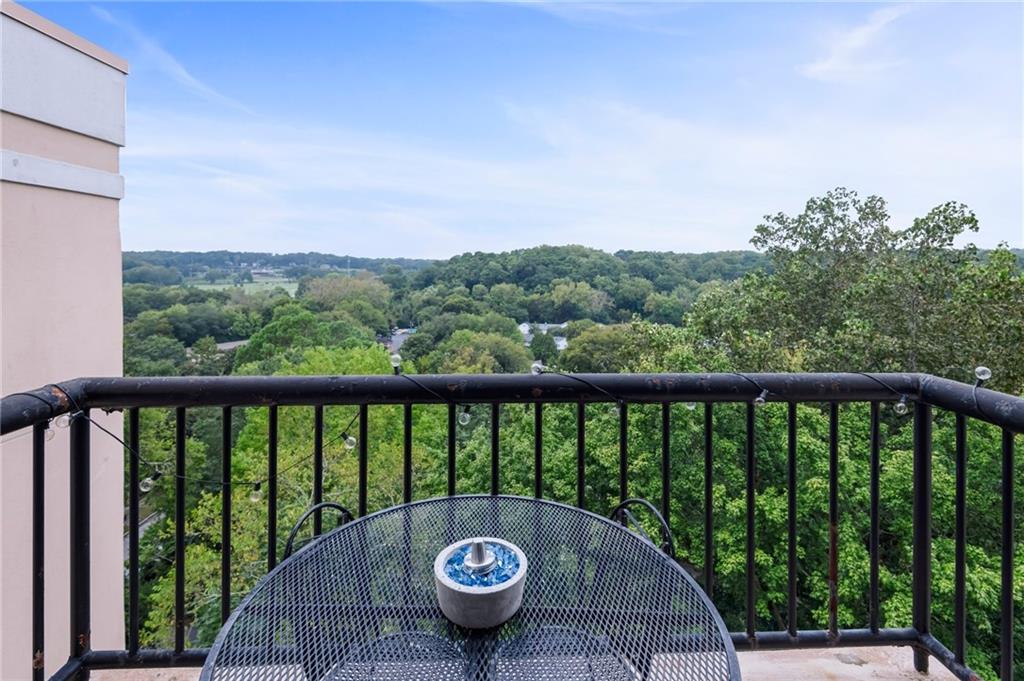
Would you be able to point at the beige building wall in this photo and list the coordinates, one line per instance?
(61, 127)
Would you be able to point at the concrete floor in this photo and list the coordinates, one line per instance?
(845, 664)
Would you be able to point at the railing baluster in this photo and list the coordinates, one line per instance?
(1006, 610)
(38, 546)
(407, 453)
(179, 530)
(833, 520)
(451, 449)
(79, 555)
(960, 551)
(709, 529)
(791, 480)
(225, 516)
(874, 613)
(271, 487)
(133, 531)
(623, 451)
(922, 510)
(666, 452)
(318, 466)
(538, 450)
(751, 600)
(363, 456)
(495, 446)
(581, 455)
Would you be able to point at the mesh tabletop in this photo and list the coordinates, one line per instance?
(359, 604)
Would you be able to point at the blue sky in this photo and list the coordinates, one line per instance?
(429, 129)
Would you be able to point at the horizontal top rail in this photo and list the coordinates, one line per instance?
(20, 410)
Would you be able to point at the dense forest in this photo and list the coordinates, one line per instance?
(834, 288)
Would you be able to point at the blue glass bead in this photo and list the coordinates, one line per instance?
(506, 566)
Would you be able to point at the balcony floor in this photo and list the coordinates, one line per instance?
(846, 664)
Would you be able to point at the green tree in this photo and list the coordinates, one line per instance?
(294, 327)
(154, 355)
(598, 349)
(477, 353)
(543, 347)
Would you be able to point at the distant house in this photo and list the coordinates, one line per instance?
(527, 330)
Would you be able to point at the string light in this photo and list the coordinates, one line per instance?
(981, 374)
(256, 493)
(396, 362)
(691, 405)
(350, 442)
(161, 467)
(465, 417)
(901, 407)
(63, 421)
(537, 368)
(760, 400)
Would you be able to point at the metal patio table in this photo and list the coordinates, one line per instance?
(358, 604)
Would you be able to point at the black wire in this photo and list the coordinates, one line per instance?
(36, 397)
(584, 381)
(425, 388)
(977, 405)
(210, 481)
(880, 382)
(757, 385)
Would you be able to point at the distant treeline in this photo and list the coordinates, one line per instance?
(533, 268)
(170, 267)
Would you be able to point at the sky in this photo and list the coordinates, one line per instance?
(430, 129)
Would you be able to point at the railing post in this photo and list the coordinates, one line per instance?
(922, 561)
(1006, 662)
(79, 537)
(38, 545)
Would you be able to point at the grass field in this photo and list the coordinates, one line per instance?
(260, 284)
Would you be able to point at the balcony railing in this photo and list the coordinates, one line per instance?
(922, 393)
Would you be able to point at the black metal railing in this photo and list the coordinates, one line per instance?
(34, 409)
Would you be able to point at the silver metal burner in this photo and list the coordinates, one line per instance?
(481, 559)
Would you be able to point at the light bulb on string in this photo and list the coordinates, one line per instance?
(691, 405)
(760, 400)
(145, 485)
(63, 421)
(350, 441)
(901, 407)
(981, 374)
(537, 368)
(396, 362)
(256, 493)
(49, 433)
(465, 417)
(616, 409)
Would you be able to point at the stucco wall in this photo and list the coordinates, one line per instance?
(61, 125)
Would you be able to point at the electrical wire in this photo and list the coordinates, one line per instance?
(548, 370)
(36, 397)
(155, 467)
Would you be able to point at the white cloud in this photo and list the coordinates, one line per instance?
(151, 51)
(611, 175)
(848, 57)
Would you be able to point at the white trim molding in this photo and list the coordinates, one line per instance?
(44, 172)
(46, 80)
